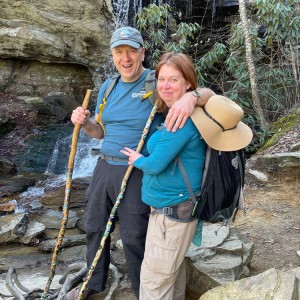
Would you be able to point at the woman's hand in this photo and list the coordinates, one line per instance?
(132, 155)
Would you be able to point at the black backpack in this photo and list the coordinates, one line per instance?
(222, 186)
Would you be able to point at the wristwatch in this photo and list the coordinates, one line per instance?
(196, 94)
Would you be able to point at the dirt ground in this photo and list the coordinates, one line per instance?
(272, 222)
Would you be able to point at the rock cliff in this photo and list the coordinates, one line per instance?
(49, 47)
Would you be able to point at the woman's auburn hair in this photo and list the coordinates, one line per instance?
(184, 65)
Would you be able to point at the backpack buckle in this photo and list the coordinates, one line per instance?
(167, 210)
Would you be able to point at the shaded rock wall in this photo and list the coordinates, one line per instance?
(38, 79)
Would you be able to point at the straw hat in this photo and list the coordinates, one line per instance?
(219, 123)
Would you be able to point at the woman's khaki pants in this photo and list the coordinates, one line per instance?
(163, 273)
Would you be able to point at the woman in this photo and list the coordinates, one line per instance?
(171, 227)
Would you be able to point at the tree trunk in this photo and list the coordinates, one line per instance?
(295, 67)
(251, 67)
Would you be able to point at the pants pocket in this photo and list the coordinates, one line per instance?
(163, 246)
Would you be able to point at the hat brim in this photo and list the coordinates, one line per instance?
(229, 140)
(125, 42)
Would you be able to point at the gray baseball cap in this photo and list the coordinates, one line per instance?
(126, 36)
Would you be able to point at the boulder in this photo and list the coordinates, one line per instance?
(7, 167)
(52, 219)
(271, 284)
(57, 32)
(224, 256)
(12, 227)
(15, 184)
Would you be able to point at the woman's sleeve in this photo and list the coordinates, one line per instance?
(166, 150)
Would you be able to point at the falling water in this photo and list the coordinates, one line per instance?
(213, 12)
(84, 160)
(189, 9)
(122, 9)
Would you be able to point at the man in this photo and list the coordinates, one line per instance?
(120, 121)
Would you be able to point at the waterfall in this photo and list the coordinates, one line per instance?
(84, 165)
(213, 12)
(189, 9)
(84, 160)
(122, 9)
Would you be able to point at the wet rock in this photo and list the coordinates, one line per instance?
(52, 219)
(69, 255)
(35, 204)
(56, 105)
(15, 184)
(12, 227)
(34, 229)
(7, 167)
(8, 207)
(70, 241)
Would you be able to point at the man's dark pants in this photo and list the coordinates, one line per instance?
(133, 217)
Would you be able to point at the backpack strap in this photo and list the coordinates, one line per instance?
(111, 84)
(186, 180)
(208, 154)
(150, 87)
(240, 194)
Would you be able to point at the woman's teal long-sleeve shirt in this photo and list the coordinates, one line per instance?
(163, 183)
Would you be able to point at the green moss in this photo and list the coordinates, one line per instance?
(281, 126)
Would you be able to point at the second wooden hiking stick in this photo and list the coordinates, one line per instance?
(67, 197)
(116, 205)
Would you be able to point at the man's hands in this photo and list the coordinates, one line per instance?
(184, 107)
(80, 116)
(132, 155)
(180, 111)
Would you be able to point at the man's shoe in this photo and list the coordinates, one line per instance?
(73, 294)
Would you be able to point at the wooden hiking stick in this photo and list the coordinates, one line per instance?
(116, 205)
(67, 197)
